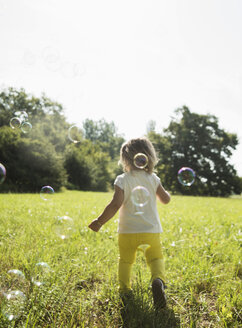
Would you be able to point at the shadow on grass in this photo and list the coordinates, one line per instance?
(136, 313)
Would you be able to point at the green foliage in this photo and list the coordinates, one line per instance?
(45, 155)
(87, 166)
(30, 164)
(104, 134)
(196, 141)
(32, 160)
(98, 131)
(202, 252)
(13, 100)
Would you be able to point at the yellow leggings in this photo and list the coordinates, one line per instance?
(128, 245)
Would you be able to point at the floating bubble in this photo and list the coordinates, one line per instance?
(2, 173)
(16, 278)
(140, 160)
(72, 70)
(51, 58)
(26, 127)
(29, 58)
(75, 134)
(15, 122)
(46, 192)
(64, 227)
(16, 273)
(140, 196)
(186, 176)
(13, 304)
(41, 272)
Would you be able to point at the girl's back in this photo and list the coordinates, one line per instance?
(135, 217)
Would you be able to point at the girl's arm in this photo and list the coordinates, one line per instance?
(110, 210)
(163, 195)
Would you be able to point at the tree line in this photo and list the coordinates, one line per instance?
(45, 155)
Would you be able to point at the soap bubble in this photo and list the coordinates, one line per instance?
(16, 278)
(41, 272)
(15, 122)
(64, 227)
(51, 58)
(75, 134)
(140, 160)
(46, 192)
(13, 304)
(2, 173)
(140, 196)
(17, 272)
(26, 127)
(186, 176)
(20, 120)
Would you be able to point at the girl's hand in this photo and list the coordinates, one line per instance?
(95, 225)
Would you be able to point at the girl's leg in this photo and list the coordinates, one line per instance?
(127, 250)
(154, 257)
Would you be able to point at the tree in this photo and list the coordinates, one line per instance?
(30, 164)
(45, 115)
(87, 167)
(104, 134)
(33, 159)
(46, 155)
(198, 142)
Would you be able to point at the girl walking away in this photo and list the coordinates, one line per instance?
(139, 222)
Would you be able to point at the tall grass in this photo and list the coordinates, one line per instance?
(202, 248)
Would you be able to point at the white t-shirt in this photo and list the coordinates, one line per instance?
(131, 218)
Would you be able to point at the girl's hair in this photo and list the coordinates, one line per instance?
(134, 146)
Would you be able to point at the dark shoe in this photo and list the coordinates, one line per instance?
(127, 298)
(159, 295)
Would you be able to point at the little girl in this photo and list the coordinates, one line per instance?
(138, 228)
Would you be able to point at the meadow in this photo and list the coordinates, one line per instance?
(202, 243)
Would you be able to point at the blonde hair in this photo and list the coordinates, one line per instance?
(134, 146)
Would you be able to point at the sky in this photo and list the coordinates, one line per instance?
(129, 62)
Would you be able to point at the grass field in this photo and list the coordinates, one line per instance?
(202, 243)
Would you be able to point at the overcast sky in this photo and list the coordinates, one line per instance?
(128, 61)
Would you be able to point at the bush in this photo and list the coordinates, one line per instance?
(30, 164)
